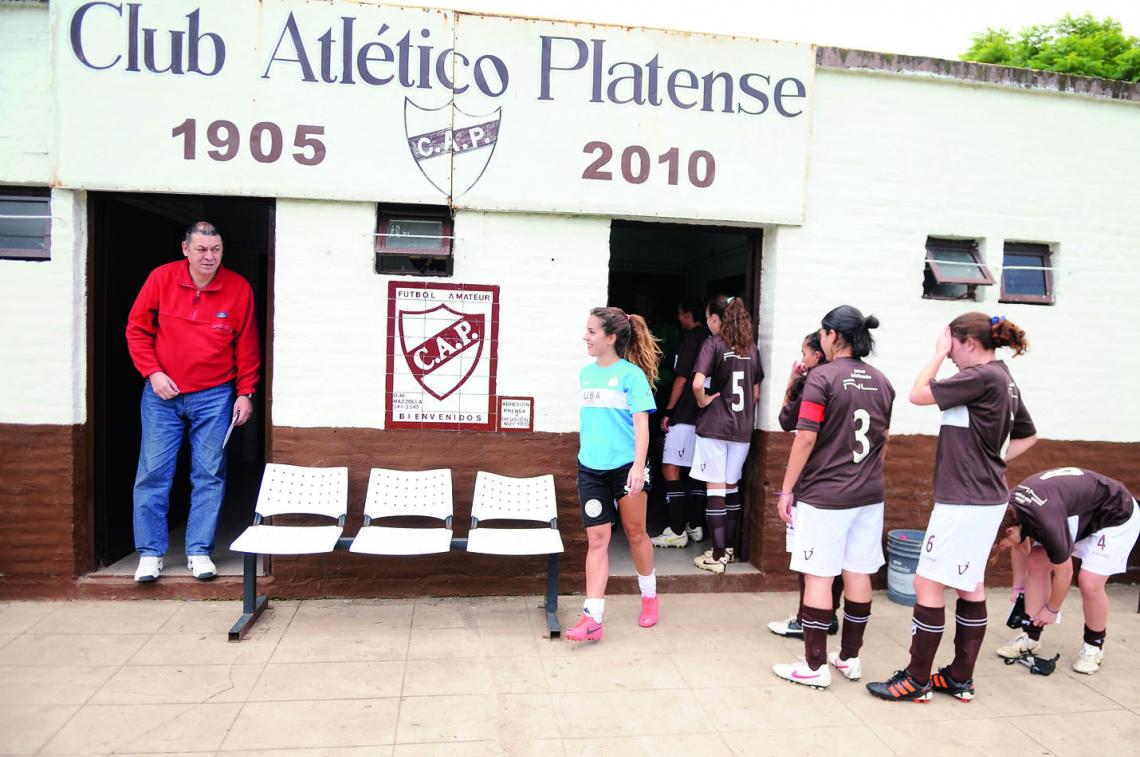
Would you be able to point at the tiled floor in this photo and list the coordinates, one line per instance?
(478, 677)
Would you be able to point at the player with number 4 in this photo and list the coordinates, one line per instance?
(835, 470)
(982, 413)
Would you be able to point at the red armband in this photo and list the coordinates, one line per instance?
(811, 411)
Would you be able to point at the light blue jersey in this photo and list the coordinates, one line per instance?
(609, 398)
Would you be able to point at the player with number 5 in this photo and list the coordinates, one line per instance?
(835, 469)
(726, 384)
(982, 413)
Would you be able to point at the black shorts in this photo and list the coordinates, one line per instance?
(599, 492)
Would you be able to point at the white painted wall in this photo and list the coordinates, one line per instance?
(330, 308)
(895, 159)
(26, 120)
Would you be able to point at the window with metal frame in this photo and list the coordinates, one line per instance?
(954, 269)
(414, 240)
(1026, 275)
(25, 223)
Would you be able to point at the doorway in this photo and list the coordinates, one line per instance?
(654, 267)
(130, 235)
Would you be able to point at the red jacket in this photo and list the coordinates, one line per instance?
(201, 339)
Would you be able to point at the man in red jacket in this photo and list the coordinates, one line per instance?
(192, 335)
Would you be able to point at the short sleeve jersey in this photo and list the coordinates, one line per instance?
(847, 403)
(731, 416)
(686, 408)
(608, 399)
(1057, 508)
(981, 410)
(790, 412)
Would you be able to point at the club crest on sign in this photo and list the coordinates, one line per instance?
(451, 147)
(444, 359)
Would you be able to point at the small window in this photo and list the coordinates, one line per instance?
(954, 269)
(1026, 276)
(415, 241)
(25, 224)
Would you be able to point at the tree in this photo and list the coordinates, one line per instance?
(1082, 46)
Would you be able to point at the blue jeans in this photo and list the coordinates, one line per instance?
(206, 415)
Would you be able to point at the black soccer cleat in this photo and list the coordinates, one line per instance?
(901, 687)
(941, 681)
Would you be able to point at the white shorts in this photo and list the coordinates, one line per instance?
(828, 542)
(790, 532)
(1105, 552)
(680, 440)
(718, 461)
(957, 544)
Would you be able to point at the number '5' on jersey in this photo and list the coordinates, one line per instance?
(731, 416)
(848, 404)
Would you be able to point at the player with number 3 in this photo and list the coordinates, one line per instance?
(835, 468)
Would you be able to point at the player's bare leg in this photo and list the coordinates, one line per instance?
(632, 511)
(1096, 621)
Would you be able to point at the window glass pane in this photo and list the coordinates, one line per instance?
(1024, 282)
(957, 264)
(413, 234)
(24, 233)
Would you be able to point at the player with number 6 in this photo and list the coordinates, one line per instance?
(835, 469)
(982, 413)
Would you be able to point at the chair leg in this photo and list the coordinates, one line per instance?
(252, 605)
(551, 604)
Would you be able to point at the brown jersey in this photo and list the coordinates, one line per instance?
(685, 411)
(981, 410)
(790, 412)
(847, 403)
(1057, 508)
(730, 416)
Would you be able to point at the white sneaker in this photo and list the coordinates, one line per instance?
(711, 564)
(1018, 647)
(149, 569)
(850, 669)
(729, 553)
(670, 539)
(799, 672)
(201, 566)
(1089, 660)
(789, 627)
(696, 534)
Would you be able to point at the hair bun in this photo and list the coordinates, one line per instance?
(871, 322)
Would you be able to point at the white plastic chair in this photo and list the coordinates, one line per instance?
(289, 489)
(528, 499)
(394, 493)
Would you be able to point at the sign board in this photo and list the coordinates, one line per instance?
(516, 413)
(442, 355)
(352, 101)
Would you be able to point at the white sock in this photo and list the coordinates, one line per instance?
(594, 608)
(648, 584)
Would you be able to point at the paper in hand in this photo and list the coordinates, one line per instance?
(229, 431)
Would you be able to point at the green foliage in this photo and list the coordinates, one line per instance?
(1081, 45)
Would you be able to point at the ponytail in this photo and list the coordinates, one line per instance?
(991, 333)
(855, 328)
(736, 323)
(634, 341)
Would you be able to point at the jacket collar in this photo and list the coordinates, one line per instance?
(186, 280)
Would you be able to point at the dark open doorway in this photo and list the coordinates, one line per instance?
(130, 235)
(653, 268)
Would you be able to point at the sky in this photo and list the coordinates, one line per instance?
(911, 27)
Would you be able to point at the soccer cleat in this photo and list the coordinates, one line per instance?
(587, 629)
(851, 669)
(711, 564)
(201, 567)
(1089, 660)
(695, 534)
(800, 672)
(670, 539)
(149, 569)
(941, 681)
(1020, 646)
(648, 616)
(789, 627)
(1016, 612)
(901, 687)
(729, 552)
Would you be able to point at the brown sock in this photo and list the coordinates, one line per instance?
(1095, 638)
(1032, 630)
(926, 633)
(815, 623)
(675, 504)
(970, 622)
(800, 607)
(836, 594)
(855, 617)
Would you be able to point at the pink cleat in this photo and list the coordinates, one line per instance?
(587, 629)
(648, 616)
